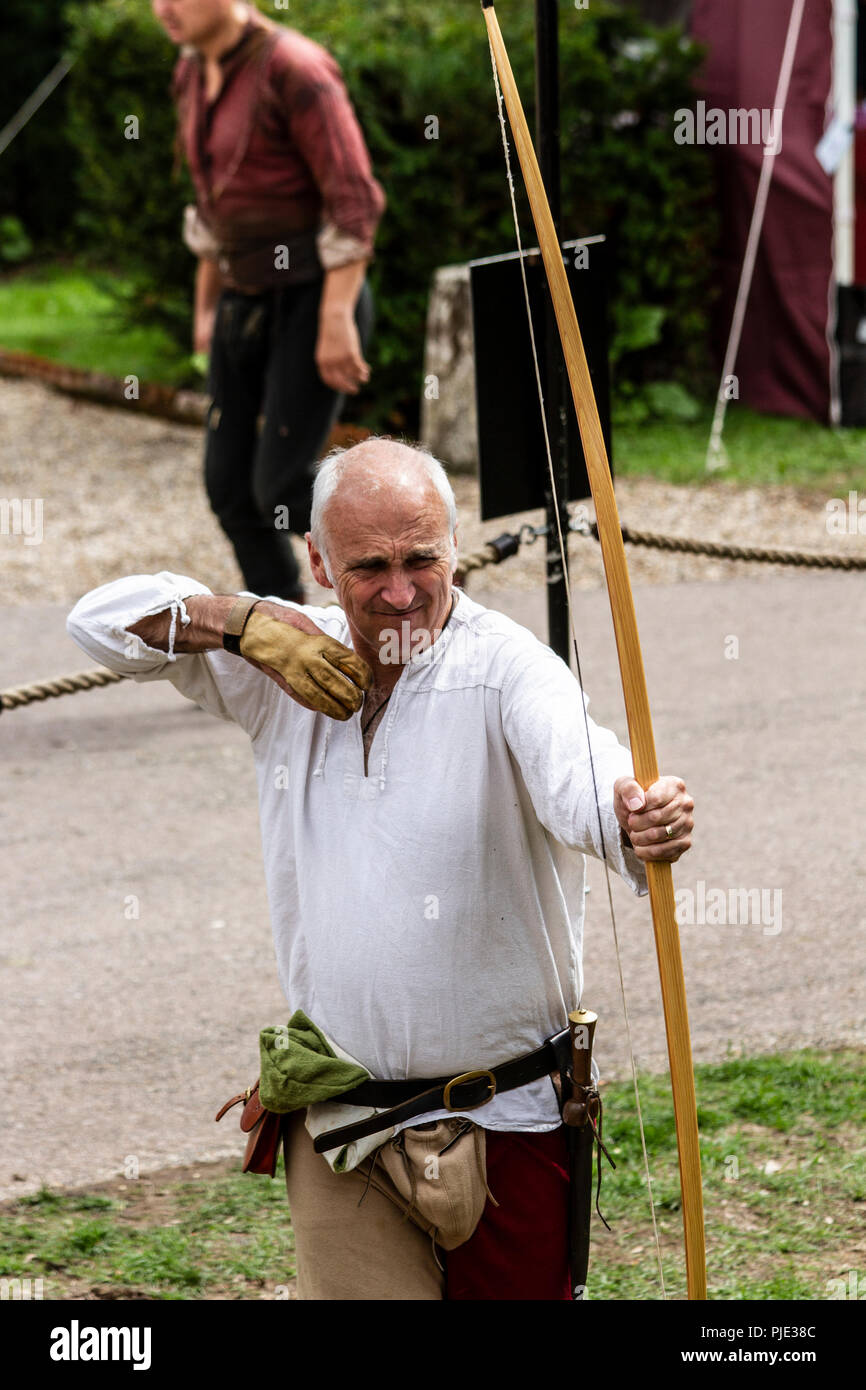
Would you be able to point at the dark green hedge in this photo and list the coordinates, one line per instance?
(37, 170)
(406, 60)
(129, 204)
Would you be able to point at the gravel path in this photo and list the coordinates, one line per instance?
(122, 493)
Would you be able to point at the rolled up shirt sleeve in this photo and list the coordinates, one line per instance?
(217, 681)
(546, 732)
(327, 134)
(337, 248)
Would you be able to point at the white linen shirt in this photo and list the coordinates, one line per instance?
(427, 916)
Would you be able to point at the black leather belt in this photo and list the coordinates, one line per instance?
(398, 1101)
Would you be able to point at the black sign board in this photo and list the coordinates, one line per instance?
(513, 468)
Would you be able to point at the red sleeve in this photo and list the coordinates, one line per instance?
(326, 132)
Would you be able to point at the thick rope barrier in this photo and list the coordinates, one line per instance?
(756, 554)
(493, 553)
(60, 685)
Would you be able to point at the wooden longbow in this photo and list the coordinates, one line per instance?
(637, 709)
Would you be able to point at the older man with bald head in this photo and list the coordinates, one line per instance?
(424, 856)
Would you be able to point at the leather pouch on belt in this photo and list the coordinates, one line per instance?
(439, 1172)
(264, 1131)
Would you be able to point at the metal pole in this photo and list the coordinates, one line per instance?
(547, 140)
(844, 109)
(33, 102)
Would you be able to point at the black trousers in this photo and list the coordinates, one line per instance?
(270, 416)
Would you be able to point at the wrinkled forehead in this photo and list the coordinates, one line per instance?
(391, 513)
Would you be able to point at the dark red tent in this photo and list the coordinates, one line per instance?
(787, 362)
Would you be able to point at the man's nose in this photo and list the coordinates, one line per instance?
(399, 590)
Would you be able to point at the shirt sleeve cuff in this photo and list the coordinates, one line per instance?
(100, 622)
(198, 236)
(619, 855)
(338, 248)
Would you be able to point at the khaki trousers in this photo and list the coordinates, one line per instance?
(348, 1248)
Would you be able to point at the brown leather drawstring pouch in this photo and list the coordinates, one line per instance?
(264, 1129)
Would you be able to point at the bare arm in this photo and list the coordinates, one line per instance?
(316, 670)
(209, 286)
(339, 359)
(207, 614)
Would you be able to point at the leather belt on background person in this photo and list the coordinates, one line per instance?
(467, 1091)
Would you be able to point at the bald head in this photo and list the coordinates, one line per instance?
(373, 478)
(382, 535)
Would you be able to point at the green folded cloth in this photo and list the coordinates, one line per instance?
(299, 1067)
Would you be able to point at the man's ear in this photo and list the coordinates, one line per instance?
(317, 564)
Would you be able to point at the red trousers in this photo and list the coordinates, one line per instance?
(519, 1249)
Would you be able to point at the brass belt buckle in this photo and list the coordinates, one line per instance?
(469, 1076)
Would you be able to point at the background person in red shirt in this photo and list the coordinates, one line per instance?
(284, 221)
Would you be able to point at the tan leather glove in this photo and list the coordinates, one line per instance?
(320, 671)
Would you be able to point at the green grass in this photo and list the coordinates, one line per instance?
(784, 1172)
(223, 1236)
(784, 1185)
(67, 314)
(761, 449)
